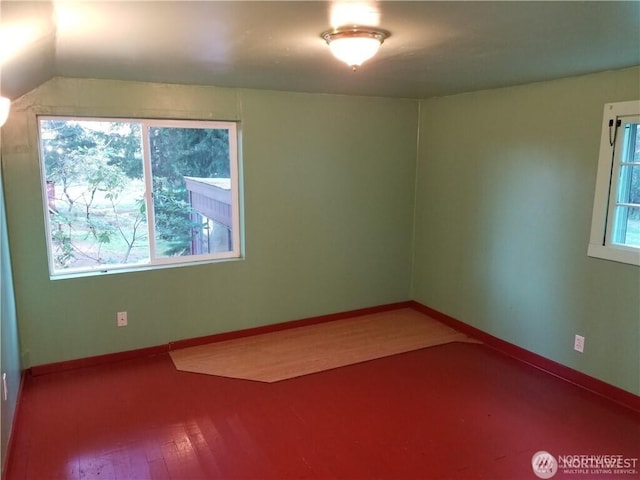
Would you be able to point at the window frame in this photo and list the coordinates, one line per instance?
(155, 261)
(606, 189)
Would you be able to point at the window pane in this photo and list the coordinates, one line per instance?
(631, 151)
(104, 180)
(95, 193)
(191, 173)
(629, 179)
(629, 187)
(627, 226)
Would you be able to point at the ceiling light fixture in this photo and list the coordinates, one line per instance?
(5, 104)
(355, 45)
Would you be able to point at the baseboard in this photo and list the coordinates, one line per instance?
(96, 360)
(14, 423)
(568, 374)
(144, 352)
(580, 379)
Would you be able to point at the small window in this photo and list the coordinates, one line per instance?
(130, 193)
(615, 228)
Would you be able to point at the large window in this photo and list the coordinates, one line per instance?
(128, 193)
(615, 229)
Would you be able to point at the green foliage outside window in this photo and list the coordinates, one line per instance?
(94, 173)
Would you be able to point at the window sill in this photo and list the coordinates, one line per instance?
(136, 269)
(629, 256)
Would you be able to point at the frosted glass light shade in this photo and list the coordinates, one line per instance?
(5, 104)
(354, 51)
(354, 45)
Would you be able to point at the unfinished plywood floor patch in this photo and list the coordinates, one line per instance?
(276, 356)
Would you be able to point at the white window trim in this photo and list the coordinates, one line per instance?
(155, 262)
(600, 245)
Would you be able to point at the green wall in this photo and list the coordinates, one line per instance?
(486, 219)
(9, 347)
(505, 186)
(328, 214)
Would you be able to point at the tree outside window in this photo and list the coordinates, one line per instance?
(116, 191)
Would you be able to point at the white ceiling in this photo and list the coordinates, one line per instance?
(435, 48)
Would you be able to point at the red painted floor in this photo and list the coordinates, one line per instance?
(457, 411)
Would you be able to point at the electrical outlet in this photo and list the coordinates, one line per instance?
(122, 319)
(578, 344)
